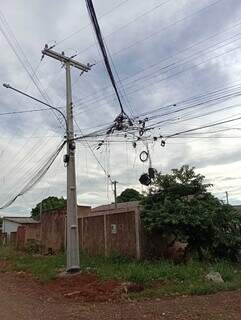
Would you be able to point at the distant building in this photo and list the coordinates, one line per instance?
(11, 224)
(237, 207)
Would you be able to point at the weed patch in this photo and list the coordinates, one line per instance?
(158, 277)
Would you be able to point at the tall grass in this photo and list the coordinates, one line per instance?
(158, 277)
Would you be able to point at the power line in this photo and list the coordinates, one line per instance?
(16, 48)
(37, 100)
(214, 100)
(150, 76)
(39, 174)
(89, 24)
(127, 24)
(203, 127)
(23, 111)
(93, 153)
(197, 12)
(97, 30)
(200, 97)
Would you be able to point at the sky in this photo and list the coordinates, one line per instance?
(163, 52)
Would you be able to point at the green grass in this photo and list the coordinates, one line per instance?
(158, 277)
(43, 268)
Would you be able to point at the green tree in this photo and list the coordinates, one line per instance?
(179, 204)
(128, 195)
(49, 203)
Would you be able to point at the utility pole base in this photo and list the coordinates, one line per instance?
(73, 269)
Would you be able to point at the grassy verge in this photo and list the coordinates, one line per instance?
(43, 268)
(158, 277)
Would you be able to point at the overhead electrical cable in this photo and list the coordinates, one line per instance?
(23, 111)
(97, 30)
(222, 98)
(182, 71)
(183, 119)
(89, 24)
(39, 174)
(22, 58)
(159, 73)
(197, 98)
(210, 99)
(93, 153)
(193, 45)
(202, 127)
(126, 25)
(220, 94)
(24, 159)
(189, 59)
(37, 100)
(99, 94)
(197, 12)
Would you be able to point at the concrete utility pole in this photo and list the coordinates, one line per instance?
(115, 192)
(227, 201)
(72, 218)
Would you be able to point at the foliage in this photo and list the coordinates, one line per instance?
(49, 203)
(158, 277)
(33, 246)
(180, 204)
(128, 195)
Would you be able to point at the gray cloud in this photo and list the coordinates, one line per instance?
(26, 135)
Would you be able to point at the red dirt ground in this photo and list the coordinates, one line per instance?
(23, 298)
(86, 288)
(3, 265)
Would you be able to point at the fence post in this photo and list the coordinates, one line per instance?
(137, 229)
(82, 233)
(105, 234)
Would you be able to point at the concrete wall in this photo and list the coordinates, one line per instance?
(53, 230)
(100, 233)
(83, 210)
(121, 235)
(108, 232)
(33, 231)
(21, 238)
(91, 235)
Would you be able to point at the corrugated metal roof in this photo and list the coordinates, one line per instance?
(21, 220)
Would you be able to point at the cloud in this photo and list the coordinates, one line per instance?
(156, 68)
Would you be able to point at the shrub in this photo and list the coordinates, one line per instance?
(178, 204)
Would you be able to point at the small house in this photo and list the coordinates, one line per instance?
(11, 224)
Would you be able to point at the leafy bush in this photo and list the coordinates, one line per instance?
(179, 204)
(32, 246)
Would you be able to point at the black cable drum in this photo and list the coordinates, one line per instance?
(145, 179)
(144, 155)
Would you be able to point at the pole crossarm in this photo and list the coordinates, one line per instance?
(62, 58)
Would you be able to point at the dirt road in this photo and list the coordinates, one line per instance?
(22, 298)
